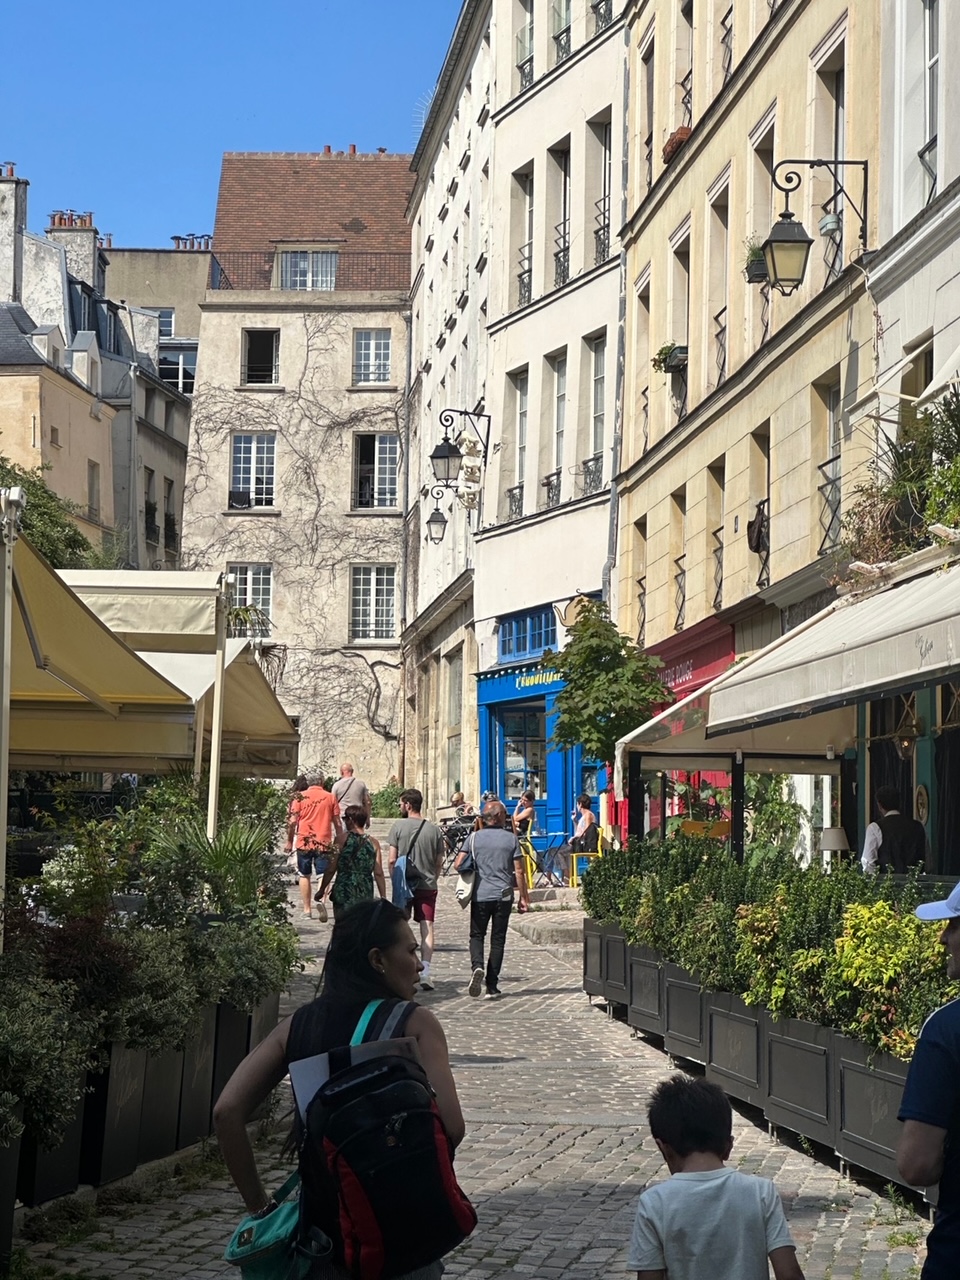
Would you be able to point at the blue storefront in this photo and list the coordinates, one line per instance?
(516, 712)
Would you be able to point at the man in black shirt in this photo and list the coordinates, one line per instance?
(894, 842)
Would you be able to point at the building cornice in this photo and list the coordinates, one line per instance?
(934, 229)
(547, 299)
(439, 609)
(841, 296)
(266, 300)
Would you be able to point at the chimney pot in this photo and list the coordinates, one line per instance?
(10, 168)
(353, 148)
(381, 151)
(327, 149)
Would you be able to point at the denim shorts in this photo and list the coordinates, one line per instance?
(310, 861)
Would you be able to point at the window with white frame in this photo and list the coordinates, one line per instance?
(313, 270)
(252, 470)
(167, 319)
(559, 408)
(371, 355)
(373, 602)
(251, 598)
(931, 91)
(376, 460)
(177, 367)
(522, 383)
(599, 381)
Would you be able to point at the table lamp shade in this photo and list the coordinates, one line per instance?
(833, 840)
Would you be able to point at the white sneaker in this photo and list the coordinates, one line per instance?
(476, 982)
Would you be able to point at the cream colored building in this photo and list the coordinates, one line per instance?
(738, 463)
(294, 482)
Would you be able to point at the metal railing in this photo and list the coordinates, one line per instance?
(718, 568)
(562, 45)
(762, 544)
(720, 338)
(645, 416)
(592, 474)
(601, 232)
(515, 502)
(764, 312)
(641, 611)
(602, 15)
(829, 492)
(927, 155)
(260, 373)
(726, 45)
(561, 254)
(648, 159)
(93, 514)
(374, 371)
(680, 595)
(152, 531)
(679, 391)
(686, 99)
(525, 274)
(171, 534)
(355, 271)
(526, 72)
(551, 486)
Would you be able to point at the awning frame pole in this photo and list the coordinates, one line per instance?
(12, 502)
(216, 728)
(199, 710)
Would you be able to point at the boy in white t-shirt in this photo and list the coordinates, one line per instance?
(706, 1221)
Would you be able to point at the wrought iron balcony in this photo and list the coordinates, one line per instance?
(645, 416)
(526, 73)
(561, 254)
(602, 15)
(171, 534)
(525, 275)
(601, 232)
(686, 99)
(648, 159)
(927, 155)
(515, 502)
(758, 540)
(680, 593)
(764, 311)
(551, 486)
(525, 55)
(152, 531)
(592, 474)
(726, 45)
(829, 491)
(641, 611)
(679, 391)
(562, 45)
(720, 338)
(718, 568)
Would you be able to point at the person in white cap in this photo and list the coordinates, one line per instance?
(929, 1147)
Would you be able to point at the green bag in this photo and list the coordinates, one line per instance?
(266, 1248)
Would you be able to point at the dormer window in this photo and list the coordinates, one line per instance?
(308, 270)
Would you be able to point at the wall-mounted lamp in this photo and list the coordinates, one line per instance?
(437, 522)
(447, 460)
(905, 739)
(787, 248)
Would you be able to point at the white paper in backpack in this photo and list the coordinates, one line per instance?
(307, 1075)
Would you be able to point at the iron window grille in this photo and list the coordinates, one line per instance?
(525, 55)
(829, 490)
(592, 474)
(720, 338)
(680, 592)
(718, 568)
(686, 100)
(764, 312)
(525, 275)
(561, 30)
(601, 232)
(927, 155)
(645, 416)
(561, 254)
(648, 159)
(758, 538)
(515, 502)
(551, 485)
(171, 534)
(602, 15)
(726, 45)
(641, 611)
(562, 45)
(679, 391)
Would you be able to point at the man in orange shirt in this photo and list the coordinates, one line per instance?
(314, 817)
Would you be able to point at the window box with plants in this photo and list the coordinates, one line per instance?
(803, 993)
(671, 358)
(755, 264)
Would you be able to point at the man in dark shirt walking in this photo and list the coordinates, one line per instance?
(929, 1149)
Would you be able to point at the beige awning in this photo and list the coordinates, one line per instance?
(862, 646)
(154, 610)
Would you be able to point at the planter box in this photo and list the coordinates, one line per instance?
(9, 1159)
(45, 1175)
(868, 1087)
(160, 1113)
(111, 1117)
(683, 1028)
(755, 271)
(264, 1018)
(677, 359)
(675, 142)
(196, 1086)
(734, 1049)
(645, 1009)
(592, 958)
(616, 974)
(232, 1043)
(799, 1093)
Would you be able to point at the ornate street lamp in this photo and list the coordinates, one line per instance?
(437, 523)
(446, 461)
(787, 248)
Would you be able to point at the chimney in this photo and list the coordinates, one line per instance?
(327, 150)
(78, 236)
(13, 221)
(353, 148)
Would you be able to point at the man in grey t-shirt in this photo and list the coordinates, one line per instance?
(498, 859)
(421, 843)
(348, 790)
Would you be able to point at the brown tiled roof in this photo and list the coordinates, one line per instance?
(267, 196)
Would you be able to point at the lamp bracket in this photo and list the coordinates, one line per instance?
(791, 180)
(472, 419)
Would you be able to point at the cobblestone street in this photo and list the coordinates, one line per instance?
(555, 1154)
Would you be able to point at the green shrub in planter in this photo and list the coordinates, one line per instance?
(255, 957)
(605, 880)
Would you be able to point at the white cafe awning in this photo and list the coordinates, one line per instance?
(904, 636)
(174, 610)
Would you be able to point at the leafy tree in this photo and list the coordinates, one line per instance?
(611, 685)
(47, 518)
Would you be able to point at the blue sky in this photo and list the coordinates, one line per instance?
(125, 108)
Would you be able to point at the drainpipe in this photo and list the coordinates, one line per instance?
(404, 557)
(133, 533)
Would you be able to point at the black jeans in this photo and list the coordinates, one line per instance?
(481, 915)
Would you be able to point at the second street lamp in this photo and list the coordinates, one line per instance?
(787, 248)
(785, 252)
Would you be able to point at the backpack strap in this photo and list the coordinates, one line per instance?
(364, 1023)
(397, 1014)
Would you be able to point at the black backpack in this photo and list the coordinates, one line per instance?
(376, 1165)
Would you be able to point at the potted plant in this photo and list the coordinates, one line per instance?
(755, 266)
(675, 142)
(670, 358)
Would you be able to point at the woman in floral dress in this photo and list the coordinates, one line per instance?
(354, 865)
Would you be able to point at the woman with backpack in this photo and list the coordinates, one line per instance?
(354, 865)
(373, 957)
